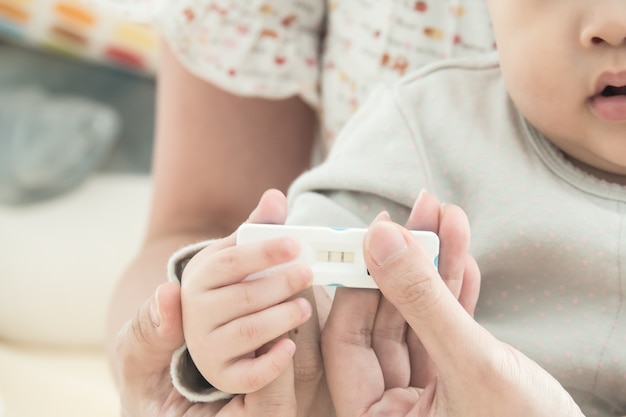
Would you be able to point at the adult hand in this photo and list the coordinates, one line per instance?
(144, 349)
(444, 363)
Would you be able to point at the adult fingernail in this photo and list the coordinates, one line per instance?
(386, 242)
(420, 198)
(423, 192)
(155, 311)
(382, 216)
(253, 214)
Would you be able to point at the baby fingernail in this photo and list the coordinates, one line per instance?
(385, 242)
(305, 307)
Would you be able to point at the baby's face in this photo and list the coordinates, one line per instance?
(564, 63)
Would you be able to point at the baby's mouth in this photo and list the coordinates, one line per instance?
(612, 91)
(609, 102)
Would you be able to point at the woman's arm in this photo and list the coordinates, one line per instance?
(215, 154)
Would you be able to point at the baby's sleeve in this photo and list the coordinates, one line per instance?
(261, 48)
(186, 377)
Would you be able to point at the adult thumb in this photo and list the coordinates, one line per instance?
(410, 281)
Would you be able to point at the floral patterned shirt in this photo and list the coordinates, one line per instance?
(329, 52)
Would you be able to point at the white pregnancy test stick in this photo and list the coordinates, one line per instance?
(335, 255)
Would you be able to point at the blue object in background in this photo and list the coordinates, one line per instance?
(62, 118)
(49, 144)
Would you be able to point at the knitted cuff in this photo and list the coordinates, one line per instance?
(185, 375)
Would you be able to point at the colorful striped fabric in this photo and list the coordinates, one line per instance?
(77, 29)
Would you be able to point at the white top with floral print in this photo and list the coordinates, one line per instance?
(329, 52)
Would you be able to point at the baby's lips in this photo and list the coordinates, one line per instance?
(616, 80)
(609, 108)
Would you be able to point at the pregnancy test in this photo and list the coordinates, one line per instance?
(334, 254)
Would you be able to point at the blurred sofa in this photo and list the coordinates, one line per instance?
(60, 257)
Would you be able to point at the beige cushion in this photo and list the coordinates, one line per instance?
(59, 261)
(55, 383)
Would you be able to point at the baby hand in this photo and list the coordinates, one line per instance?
(234, 329)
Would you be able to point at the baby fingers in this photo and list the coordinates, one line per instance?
(209, 269)
(242, 356)
(229, 303)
